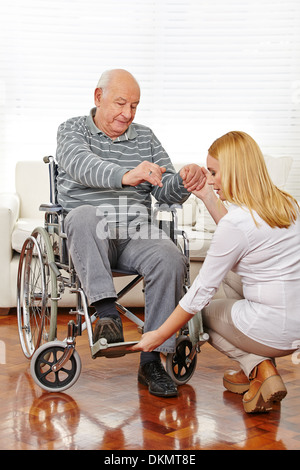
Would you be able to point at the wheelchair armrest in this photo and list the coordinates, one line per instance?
(181, 240)
(170, 225)
(166, 207)
(51, 208)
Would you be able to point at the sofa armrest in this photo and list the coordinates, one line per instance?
(10, 202)
(9, 213)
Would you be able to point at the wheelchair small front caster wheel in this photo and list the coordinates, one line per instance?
(43, 371)
(179, 365)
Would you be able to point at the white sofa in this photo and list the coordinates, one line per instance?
(19, 215)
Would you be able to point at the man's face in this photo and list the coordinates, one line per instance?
(116, 106)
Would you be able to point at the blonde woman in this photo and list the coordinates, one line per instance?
(258, 238)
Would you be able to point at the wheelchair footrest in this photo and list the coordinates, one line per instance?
(103, 348)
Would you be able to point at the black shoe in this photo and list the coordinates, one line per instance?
(156, 378)
(109, 328)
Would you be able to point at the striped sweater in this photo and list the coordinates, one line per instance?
(91, 167)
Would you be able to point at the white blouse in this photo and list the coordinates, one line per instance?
(268, 261)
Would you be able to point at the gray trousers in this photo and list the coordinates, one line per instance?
(96, 248)
(225, 337)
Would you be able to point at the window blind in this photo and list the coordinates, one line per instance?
(205, 67)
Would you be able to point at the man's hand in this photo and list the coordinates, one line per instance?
(193, 177)
(145, 171)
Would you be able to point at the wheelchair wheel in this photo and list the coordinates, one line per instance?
(36, 292)
(178, 365)
(47, 356)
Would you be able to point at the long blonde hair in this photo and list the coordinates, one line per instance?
(246, 181)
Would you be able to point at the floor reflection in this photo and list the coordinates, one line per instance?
(58, 421)
(107, 409)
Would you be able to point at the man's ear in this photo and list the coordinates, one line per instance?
(97, 96)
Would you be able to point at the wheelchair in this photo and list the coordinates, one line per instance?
(46, 270)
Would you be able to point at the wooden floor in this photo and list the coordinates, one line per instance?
(107, 409)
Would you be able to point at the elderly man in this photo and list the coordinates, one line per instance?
(108, 168)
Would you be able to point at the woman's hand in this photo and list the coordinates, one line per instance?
(206, 190)
(208, 196)
(148, 342)
(152, 339)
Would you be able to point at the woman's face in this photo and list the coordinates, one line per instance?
(214, 177)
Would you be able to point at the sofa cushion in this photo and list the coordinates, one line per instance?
(204, 221)
(32, 186)
(199, 242)
(23, 230)
(187, 215)
(279, 169)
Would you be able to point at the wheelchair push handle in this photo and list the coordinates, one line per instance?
(48, 159)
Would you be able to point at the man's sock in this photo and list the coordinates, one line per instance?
(106, 308)
(149, 357)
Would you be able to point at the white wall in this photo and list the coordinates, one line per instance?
(205, 67)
